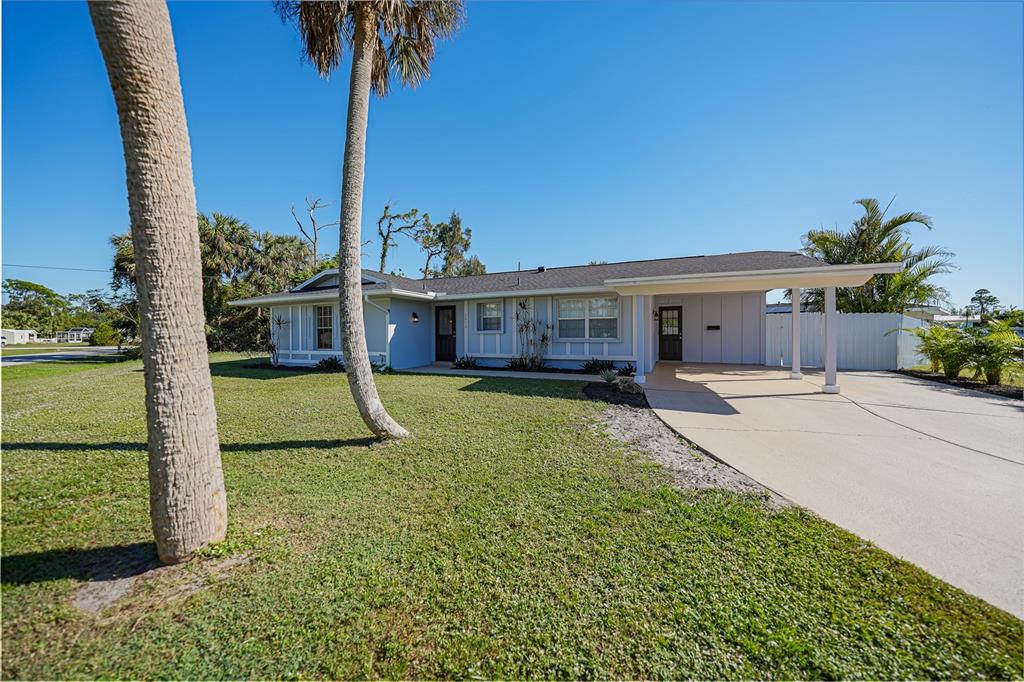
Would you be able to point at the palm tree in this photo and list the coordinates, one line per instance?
(874, 239)
(188, 508)
(384, 36)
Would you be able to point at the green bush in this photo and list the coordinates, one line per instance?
(609, 376)
(596, 366)
(105, 335)
(947, 348)
(995, 350)
(330, 364)
(465, 362)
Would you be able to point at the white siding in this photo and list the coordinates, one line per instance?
(864, 340)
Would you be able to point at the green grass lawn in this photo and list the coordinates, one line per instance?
(1012, 376)
(508, 539)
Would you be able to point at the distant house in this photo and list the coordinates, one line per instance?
(18, 336)
(939, 315)
(75, 334)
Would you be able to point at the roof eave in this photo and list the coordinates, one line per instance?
(754, 280)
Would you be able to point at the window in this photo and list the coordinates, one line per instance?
(593, 318)
(489, 316)
(324, 327)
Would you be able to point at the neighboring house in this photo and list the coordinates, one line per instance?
(75, 334)
(690, 309)
(18, 336)
(939, 315)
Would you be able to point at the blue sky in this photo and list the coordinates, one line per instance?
(562, 132)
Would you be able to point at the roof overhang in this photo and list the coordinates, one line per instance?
(754, 280)
(289, 298)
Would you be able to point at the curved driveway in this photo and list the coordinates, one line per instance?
(928, 472)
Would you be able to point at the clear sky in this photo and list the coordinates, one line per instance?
(562, 133)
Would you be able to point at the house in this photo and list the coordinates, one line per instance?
(707, 309)
(75, 334)
(18, 336)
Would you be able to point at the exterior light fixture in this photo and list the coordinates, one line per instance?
(415, 318)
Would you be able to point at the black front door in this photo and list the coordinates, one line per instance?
(670, 333)
(444, 332)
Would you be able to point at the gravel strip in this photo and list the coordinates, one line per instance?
(690, 468)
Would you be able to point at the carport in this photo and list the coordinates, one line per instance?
(722, 314)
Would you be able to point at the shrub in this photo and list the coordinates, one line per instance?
(994, 351)
(596, 366)
(331, 364)
(104, 335)
(609, 376)
(627, 370)
(380, 367)
(525, 364)
(465, 362)
(629, 385)
(948, 348)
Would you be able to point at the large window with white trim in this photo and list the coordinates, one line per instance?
(489, 316)
(588, 318)
(324, 327)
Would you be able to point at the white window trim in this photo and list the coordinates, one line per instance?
(586, 318)
(501, 317)
(317, 327)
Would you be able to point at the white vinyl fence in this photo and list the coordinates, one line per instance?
(864, 340)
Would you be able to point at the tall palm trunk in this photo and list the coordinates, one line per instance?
(353, 336)
(188, 508)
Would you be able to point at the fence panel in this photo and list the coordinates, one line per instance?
(864, 341)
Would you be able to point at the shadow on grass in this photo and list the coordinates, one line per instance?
(95, 564)
(256, 368)
(44, 446)
(545, 388)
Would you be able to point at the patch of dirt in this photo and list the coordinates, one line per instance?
(690, 467)
(1002, 390)
(609, 393)
(182, 581)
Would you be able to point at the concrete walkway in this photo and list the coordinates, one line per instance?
(445, 368)
(928, 472)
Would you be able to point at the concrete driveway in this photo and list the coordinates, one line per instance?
(48, 355)
(930, 473)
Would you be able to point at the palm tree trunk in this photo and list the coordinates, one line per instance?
(353, 336)
(188, 508)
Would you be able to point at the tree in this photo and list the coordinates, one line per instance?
(385, 36)
(104, 335)
(984, 302)
(408, 223)
(33, 306)
(313, 235)
(448, 241)
(470, 266)
(874, 239)
(188, 507)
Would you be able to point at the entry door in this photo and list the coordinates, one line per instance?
(670, 333)
(444, 332)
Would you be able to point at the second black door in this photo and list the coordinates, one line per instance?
(444, 332)
(670, 333)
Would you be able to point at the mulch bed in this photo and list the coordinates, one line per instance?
(1002, 390)
(607, 393)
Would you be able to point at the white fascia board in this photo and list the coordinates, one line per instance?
(323, 273)
(405, 293)
(317, 296)
(528, 292)
(754, 280)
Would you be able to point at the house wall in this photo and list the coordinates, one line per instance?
(412, 343)
(293, 329)
(740, 316)
(494, 348)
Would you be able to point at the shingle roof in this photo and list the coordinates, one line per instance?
(581, 276)
(586, 276)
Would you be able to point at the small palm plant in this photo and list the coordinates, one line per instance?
(998, 349)
(947, 348)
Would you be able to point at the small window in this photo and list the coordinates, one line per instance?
(324, 327)
(489, 316)
(594, 318)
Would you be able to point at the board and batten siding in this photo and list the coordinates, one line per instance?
(293, 330)
(739, 317)
(866, 341)
(504, 345)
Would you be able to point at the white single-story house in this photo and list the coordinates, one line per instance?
(701, 309)
(75, 334)
(18, 336)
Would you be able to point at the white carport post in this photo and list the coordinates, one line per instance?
(831, 342)
(639, 320)
(796, 374)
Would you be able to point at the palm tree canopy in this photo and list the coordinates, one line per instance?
(873, 238)
(406, 31)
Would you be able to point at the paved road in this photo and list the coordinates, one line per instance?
(56, 354)
(928, 472)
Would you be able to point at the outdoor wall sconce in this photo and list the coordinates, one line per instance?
(655, 313)
(415, 318)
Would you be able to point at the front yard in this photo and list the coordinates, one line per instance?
(508, 538)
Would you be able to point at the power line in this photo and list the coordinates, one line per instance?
(49, 267)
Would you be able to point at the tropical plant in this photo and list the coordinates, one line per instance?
(609, 376)
(875, 239)
(947, 348)
(627, 370)
(465, 362)
(532, 337)
(596, 365)
(994, 350)
(385, 37)
(188, 506)
(330, 364)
